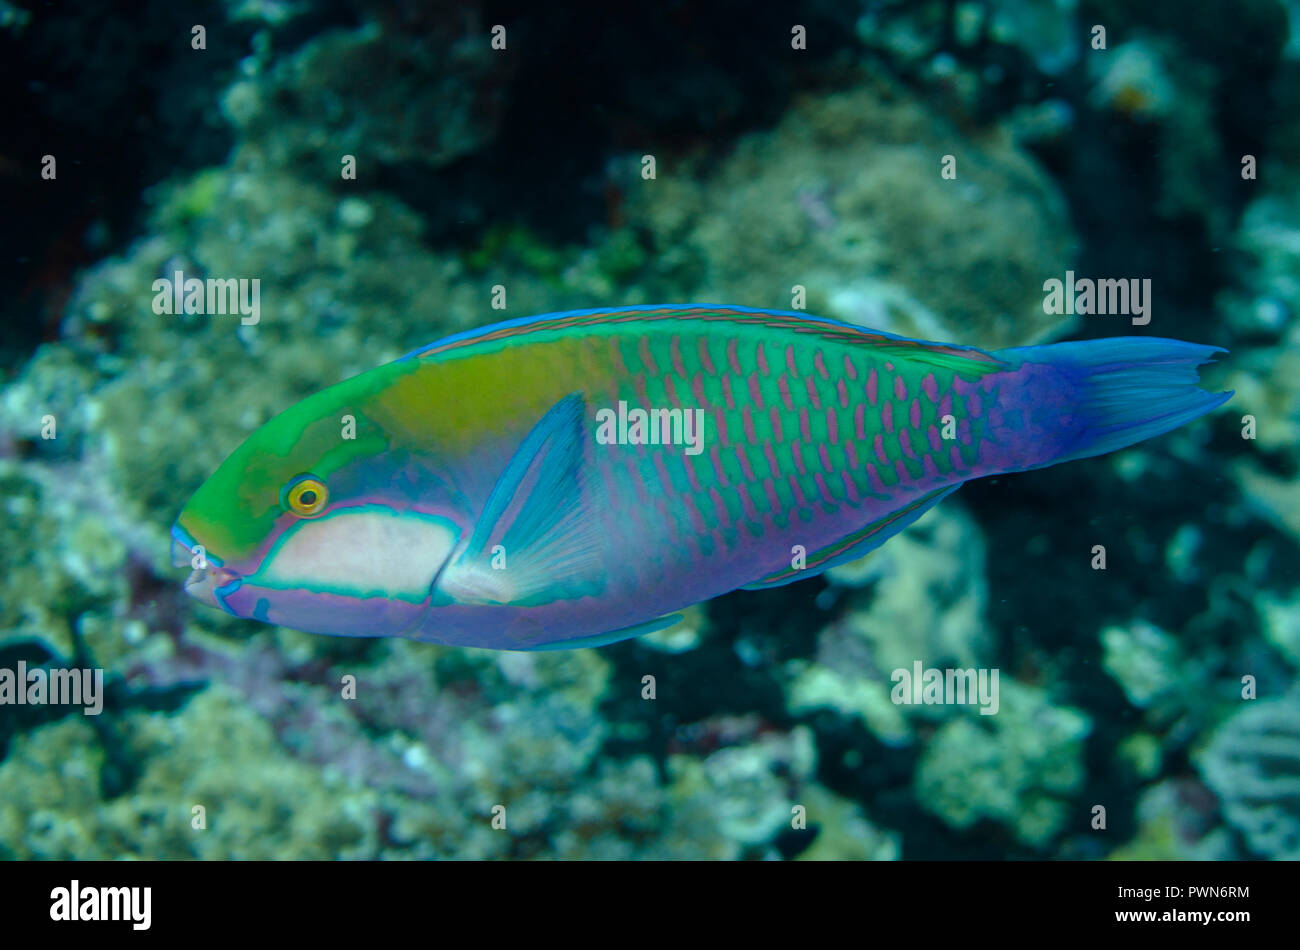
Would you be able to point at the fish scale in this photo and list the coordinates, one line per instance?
(814, 412)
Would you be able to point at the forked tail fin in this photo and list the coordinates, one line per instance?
(1112, 393)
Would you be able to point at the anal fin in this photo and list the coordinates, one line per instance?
(613, 636)
(858, 543)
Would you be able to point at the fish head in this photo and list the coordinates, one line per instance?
(323, 520)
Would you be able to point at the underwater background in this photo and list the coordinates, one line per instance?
(1161, 688)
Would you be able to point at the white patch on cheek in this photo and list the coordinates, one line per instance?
(366, 551)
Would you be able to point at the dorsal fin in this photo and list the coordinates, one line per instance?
(966, 359)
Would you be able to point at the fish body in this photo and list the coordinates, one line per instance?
(573, 479)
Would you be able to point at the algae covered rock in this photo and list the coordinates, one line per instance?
(1018, 767)
(1253, 764)
(848, 198)
(251, 802)
(383, 95)
(921, 598)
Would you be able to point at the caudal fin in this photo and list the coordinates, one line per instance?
(1124, 390)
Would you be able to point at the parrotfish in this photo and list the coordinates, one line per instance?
(574, 479)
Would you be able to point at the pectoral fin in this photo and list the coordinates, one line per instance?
(537, 539)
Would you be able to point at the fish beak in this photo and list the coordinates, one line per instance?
(181, 553)
(209, 584)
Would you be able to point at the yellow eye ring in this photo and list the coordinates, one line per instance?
(307, 496)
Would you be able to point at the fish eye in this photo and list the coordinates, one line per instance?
(305, 496)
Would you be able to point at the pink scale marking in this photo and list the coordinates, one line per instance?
(720, 507)
(850, 370)
(871, 387)
(755, 392)
(832, 426)
(773, 500)
(720, 420)
(783, 388)
(873, 479)
(914, 414)
(900, 388)
(771, 460)
(619, 366)
(747, 503)
(697, 390)
(796, 453)
(813, 397)
(797, 491)
(850, 487)
(638, 383)
(690, 473)
(745, 467)
(647, 358)
(718, 471)
(822, 488)
(930, 387)
(820, 365)
(887, 417)
(661, 471)
(670, 391)
(698, 524)
(706, 361)
(733, 357)
(805, 429)
(675, 354)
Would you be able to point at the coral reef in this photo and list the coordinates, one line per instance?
(1019, 767)
(1252, 763)
(846, 197)
(380, 94)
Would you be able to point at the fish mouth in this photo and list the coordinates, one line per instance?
(210, 584)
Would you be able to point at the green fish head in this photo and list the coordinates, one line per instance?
(322, 521)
